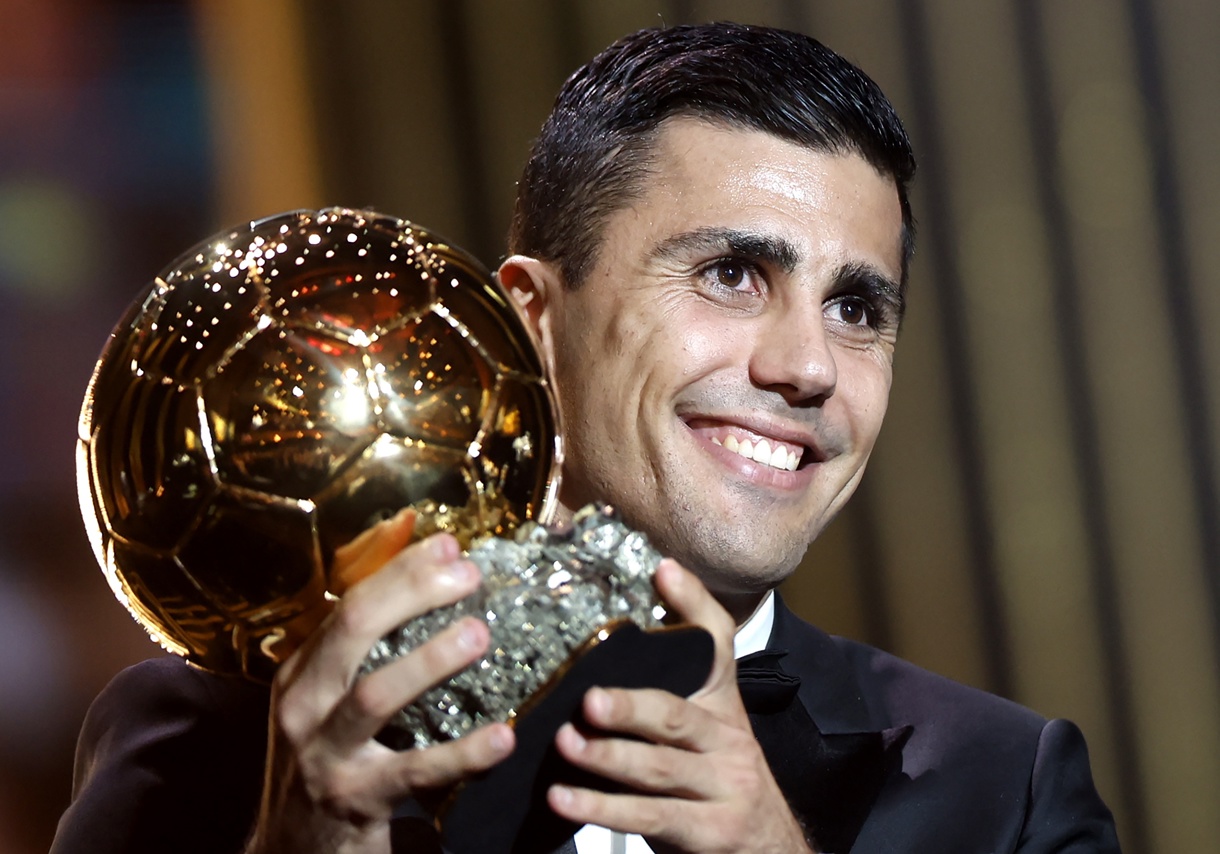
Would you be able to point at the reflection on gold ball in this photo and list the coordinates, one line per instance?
(280, 389)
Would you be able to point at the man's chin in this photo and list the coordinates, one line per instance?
(740, 574)
(740, 594)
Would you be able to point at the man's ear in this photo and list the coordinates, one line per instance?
(537, 288)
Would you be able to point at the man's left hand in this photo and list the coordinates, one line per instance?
(696, 779)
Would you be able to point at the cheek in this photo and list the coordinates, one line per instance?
(864, 388)
(597, 372)
(700, 351)
(699, 341)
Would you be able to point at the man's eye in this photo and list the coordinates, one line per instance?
(731, 275)
(851, 311)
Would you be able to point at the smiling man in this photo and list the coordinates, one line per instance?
(711, 240)
(724, 365)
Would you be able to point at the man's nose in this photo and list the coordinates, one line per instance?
(793, 355)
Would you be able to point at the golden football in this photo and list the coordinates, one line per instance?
(281, 388)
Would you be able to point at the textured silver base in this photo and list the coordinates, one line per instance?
(545, 595)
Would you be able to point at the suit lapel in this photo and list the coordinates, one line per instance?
(829, 755)
(829, 689)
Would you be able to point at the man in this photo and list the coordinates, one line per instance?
(711, 240)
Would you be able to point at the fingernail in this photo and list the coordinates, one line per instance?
(502, 739)
(573, 737)
(597, 702)
(464, 572)
(443, 547)
(471, 634)
(561, 795)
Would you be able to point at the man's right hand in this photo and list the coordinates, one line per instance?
(330, 787)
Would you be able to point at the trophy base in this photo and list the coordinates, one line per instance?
(504, 811)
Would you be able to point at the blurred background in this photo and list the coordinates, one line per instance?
(1042, 517)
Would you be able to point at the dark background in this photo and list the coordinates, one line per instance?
(1041, 517)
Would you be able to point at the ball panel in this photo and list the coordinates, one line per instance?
(429, 384)
(203, 255)
(165, 601)
(348, 273)
(255, 556)
(150, 464)
(116, 358)
(488, 316)
(393, 473)
(91, 514)
(287, 409)
(518, 452)
(352, 306)
(199, 315)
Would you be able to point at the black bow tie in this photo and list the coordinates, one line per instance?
(831, 780)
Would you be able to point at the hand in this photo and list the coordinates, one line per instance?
(697, 780)
(330, 786)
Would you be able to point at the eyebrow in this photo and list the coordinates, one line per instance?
(778, 252)
(762, 248)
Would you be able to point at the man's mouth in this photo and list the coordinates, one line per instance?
(769, 452)
(765, 448)
(759, 441)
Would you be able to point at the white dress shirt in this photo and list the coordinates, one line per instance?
(752, 636)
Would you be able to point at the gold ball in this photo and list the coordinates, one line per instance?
(283, 387)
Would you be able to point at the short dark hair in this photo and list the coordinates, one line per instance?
(594, 149)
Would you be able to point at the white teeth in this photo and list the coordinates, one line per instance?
(715, 441)
(778, 457)
(762, 452)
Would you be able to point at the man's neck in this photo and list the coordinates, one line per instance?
(741, 606)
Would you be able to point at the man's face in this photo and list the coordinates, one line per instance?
(723, 371)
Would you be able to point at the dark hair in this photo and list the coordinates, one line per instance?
(594, 150)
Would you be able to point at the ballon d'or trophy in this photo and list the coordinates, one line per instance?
(284, 387)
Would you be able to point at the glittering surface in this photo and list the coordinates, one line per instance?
(544, 595)
(278, 389)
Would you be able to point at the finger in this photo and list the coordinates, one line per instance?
(644, 767)
(378, 696)
(370, 785)
(411, 771)
(415, 582)
(654, 715)
(430, 554)
(646, 815)
(685, 593)
(422, 577)
(353, 562)
(371, 550)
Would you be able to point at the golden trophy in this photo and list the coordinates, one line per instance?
(283, 387)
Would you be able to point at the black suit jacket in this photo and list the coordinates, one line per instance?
(171, 759)
(978, 773)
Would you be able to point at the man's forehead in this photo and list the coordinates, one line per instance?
(709, 175)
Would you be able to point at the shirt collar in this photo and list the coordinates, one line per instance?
(753, 634)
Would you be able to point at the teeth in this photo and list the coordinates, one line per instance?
(778, 457)
(762, 452)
